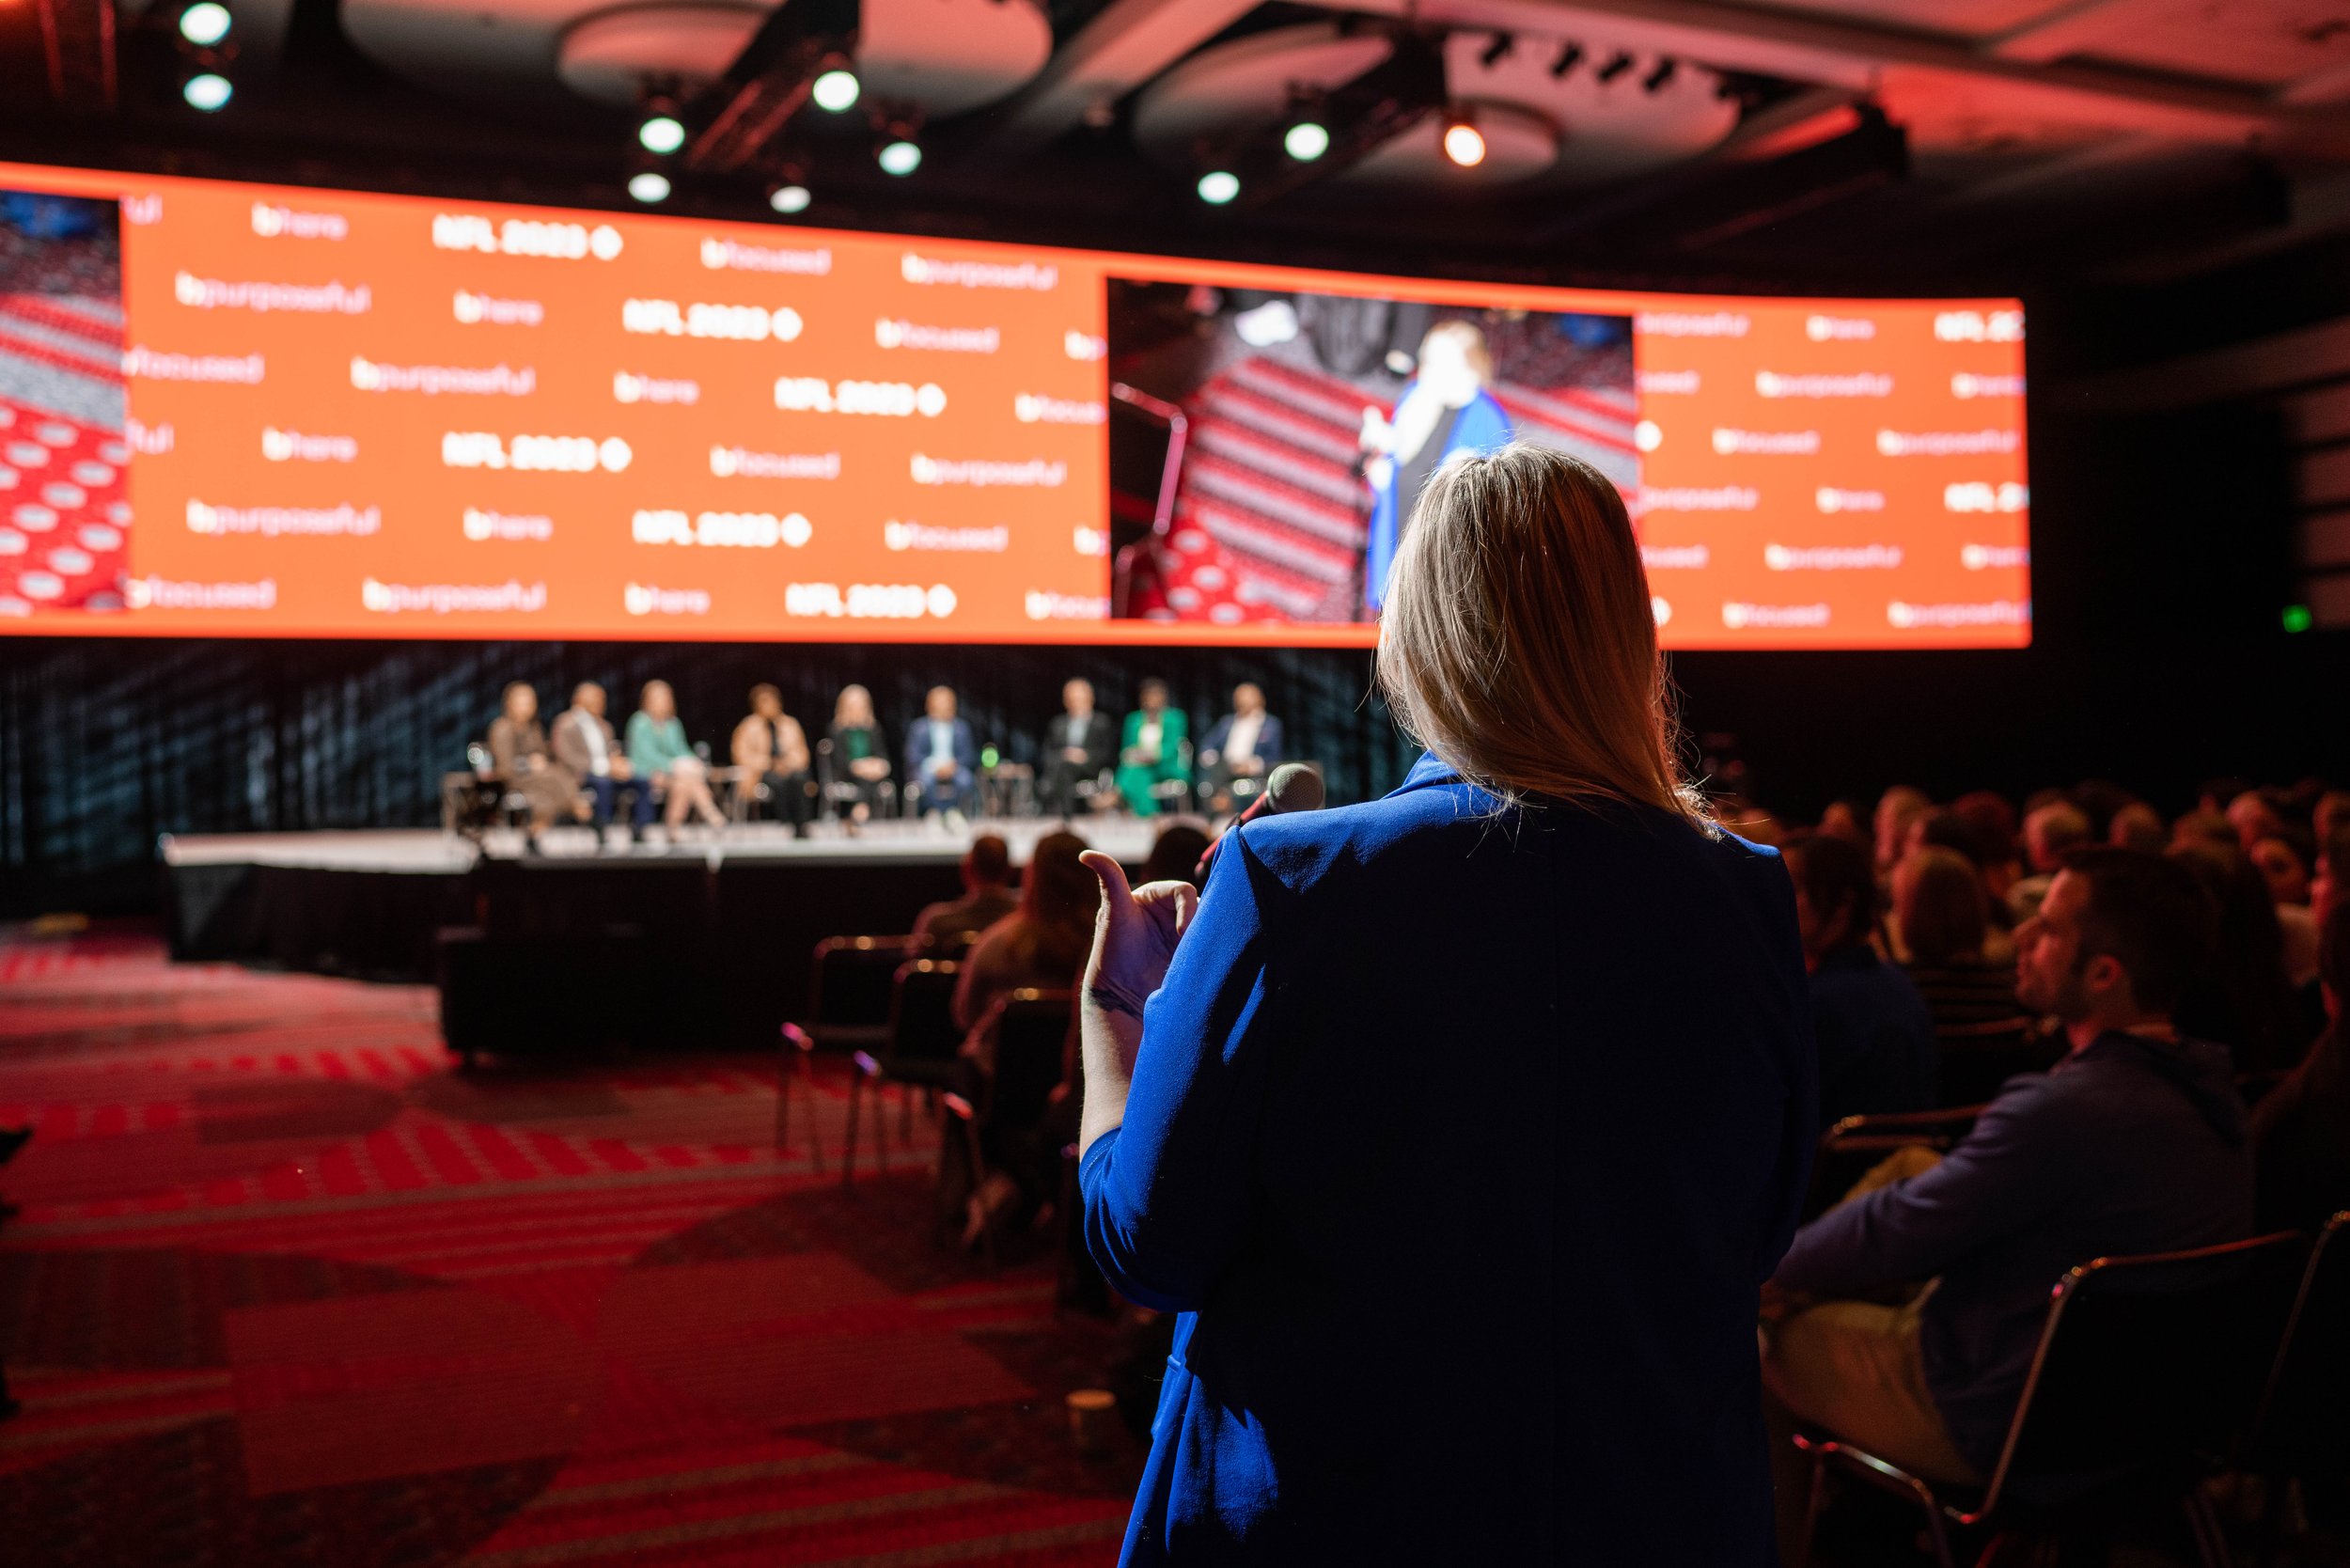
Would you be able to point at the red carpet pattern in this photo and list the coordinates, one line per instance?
(288, 1288)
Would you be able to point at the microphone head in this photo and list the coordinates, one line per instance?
(1294, 787)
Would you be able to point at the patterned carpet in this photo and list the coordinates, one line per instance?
(288, 1288)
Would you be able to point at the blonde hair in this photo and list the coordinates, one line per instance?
(1518, 642)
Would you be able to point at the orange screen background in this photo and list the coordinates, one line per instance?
(1815, 473)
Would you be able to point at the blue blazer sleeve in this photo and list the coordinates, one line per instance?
(1270, 749)
(917, 749)
(1170, 1194)
(966, 752)
(1218, 733)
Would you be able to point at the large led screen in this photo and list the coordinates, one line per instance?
(240, 410)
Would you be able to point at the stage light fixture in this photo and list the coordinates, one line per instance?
(1306, 140)
(836, 91)
(661, 134)
(208, 91)
(204, 23)
(1615, 68)
(1218, 187)
(788, 200)
(899, 156)
(1569, 57)
(648, 187)
(1463, 142)
(1655, 80)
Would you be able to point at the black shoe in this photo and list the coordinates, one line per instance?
(12, 1139)
(532, 846)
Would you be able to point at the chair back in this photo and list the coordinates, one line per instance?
(2147, 1364)
(1849, 1148)
(1031, 1031)
(1978, 1057)
(853, 979)
(922, 1011)
(2303, 1423)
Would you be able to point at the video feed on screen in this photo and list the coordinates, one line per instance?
(64, 521)
(1295, 431)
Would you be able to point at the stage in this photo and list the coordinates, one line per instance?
(698, 942)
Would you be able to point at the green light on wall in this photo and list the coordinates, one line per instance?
(2298, 618)
(989, 757)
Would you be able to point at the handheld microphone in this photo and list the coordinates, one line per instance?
(1291, 787)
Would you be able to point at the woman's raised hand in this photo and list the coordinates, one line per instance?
(1135, 936)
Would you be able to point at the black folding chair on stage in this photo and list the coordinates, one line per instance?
(920, 1052)
(2147, 1375)
(1030, 1032)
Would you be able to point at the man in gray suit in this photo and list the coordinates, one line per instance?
(588, 750)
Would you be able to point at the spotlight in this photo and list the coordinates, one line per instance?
(1218, 186)
(204, 23)
(208, 92)
(1463, 142)
(1569, 57)
(899, 157)
(836, 90)
(1655, 80)
(648, 187)
(1497, 50)
(661, 134)
(1306, 141)
(1615, 68)
(788, 200)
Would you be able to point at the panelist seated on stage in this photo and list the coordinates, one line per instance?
(987, 895)
(858, 763)
(940, 757)
(520, 761)
(2135, 1143)
(1153, 751)
(770, 749)
(658, 753)
(1241, 750)
(590, 755)
(1079, 743)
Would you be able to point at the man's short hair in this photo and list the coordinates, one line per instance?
(2148, 913)
(989, 859)
(1836, 874)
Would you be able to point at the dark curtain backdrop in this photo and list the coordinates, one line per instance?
(2161, 564)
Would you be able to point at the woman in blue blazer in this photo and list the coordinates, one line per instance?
(1463, 1126)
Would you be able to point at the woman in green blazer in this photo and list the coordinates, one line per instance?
(1156, 749)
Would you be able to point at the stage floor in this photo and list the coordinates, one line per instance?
(430, 853)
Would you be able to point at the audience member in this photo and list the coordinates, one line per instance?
(2203, 825)
(1079, 743)
(1152, 753)
(1939, 909)
(1241, 748)
(2050, 833)
(589, 755)
(2244, 1001)
(2332, 811)
(1897, 809)
(658, 755)
(2301, 1128)
(859, 751)
(2138, 827)
(2332, 878)
(2253, 817)
(1176, 853)
(2285, 860)
(1991, 820)
(2134, 1143)
(519, 755)
(2101, 800)
(1876, 1046)
(986, 895)
(1841, 819)
(940, 757)
(770, 749)
(1043, 942)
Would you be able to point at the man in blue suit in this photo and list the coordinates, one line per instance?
(1447, 408)
(940, 757)
(1241, 750)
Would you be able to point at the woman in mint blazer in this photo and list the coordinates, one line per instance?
(1156, 749)
(657, 750)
